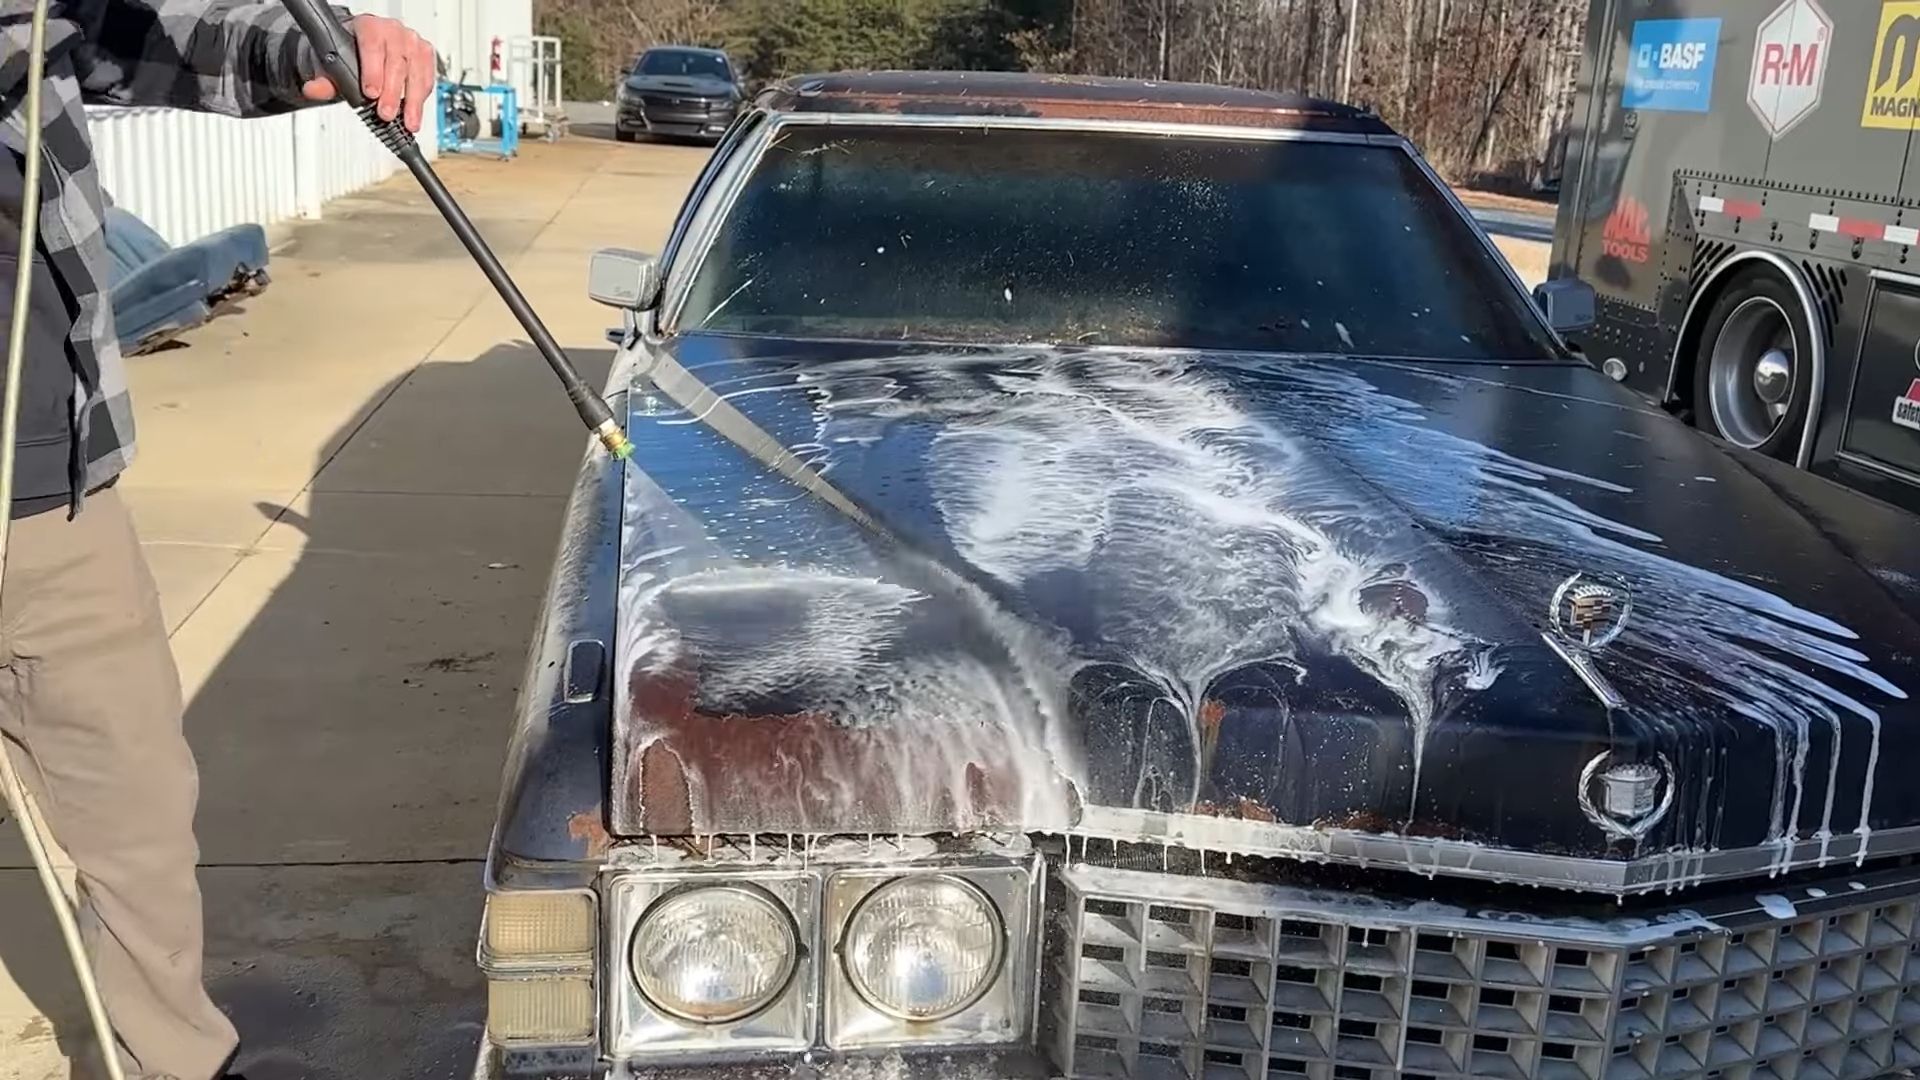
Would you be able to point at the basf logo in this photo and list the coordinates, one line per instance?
(1789, 64)
(1893, 81)
(1670, 65)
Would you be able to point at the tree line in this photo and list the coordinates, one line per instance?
(1485, 87)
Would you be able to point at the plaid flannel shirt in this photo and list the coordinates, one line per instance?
(240, 59)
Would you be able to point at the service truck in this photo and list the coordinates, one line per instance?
(1743, 194)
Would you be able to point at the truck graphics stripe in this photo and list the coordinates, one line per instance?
(1739, 208)
(1857, 228)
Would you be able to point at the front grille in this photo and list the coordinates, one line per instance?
(680, 104)
(1163, 977)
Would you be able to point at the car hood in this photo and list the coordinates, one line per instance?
(1234, 600)
(690, 85)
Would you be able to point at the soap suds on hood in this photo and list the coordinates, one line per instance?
(1117, 468)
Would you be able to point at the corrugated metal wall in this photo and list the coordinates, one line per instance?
(191, 174)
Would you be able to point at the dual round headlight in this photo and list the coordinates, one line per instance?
(917, 948)
(923, 948)
(714, 954)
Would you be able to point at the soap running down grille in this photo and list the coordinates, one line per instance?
(1155, 991)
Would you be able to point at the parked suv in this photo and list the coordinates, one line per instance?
(678, 91)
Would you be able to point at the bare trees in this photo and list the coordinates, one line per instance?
(1484, 85)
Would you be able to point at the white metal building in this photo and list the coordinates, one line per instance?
(190, 174)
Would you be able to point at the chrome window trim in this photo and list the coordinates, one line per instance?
(741, 130)
(1891, 472)
(1851, 457)
(1895, 276)
(1804, 294)
(704, 222)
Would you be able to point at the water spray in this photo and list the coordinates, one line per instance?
(334, 49)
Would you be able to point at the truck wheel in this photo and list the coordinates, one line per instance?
(1751, 381)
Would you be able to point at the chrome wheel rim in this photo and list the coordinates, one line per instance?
(1752, 372)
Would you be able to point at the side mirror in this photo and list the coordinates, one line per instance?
(1567, 303)
(629, 280)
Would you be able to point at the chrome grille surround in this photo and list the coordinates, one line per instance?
(1158, 976)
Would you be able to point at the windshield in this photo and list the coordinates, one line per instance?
(1003, 235)
(681, 62)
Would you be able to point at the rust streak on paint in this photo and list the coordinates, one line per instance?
(789, 771)
(1256, 811)
(589, 828)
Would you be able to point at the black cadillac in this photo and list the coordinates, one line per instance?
(1119, 579)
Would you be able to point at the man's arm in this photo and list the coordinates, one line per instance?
(237, 57)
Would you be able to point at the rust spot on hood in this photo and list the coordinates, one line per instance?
(1254, 811)
(589, 828)
(797, 772)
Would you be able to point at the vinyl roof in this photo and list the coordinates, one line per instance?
(1081, 97)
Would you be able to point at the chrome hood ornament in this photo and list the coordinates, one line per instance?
(1590, 610)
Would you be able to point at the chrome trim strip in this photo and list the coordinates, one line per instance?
(1457, 858)
(1582, 666)
(1486, 242)
(1804, 294)
(1062, 123)
(1892, 472)
(703, 226)
(1894, 276)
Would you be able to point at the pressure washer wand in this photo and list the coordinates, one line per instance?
(334, 48)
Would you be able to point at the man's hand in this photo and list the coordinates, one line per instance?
(397, 71)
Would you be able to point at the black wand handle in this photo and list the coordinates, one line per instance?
(337, 55)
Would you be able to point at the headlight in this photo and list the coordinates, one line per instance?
(924, 948)
(714, 954)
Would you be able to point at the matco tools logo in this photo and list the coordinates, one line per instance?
(1625, 236)
(1893, 79)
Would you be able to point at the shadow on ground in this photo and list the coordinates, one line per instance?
(350, 739)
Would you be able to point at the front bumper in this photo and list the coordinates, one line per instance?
(496, 1064)
(689, 122)
(1227, 974)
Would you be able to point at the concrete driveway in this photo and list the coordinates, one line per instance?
(350, 496)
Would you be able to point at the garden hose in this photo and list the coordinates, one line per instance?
(32, 829)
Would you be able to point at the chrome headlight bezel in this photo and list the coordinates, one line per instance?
(637, 1027)
(1002, 1013)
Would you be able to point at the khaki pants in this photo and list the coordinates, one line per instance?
(90, 708)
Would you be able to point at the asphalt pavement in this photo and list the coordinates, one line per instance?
(1534, 225)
